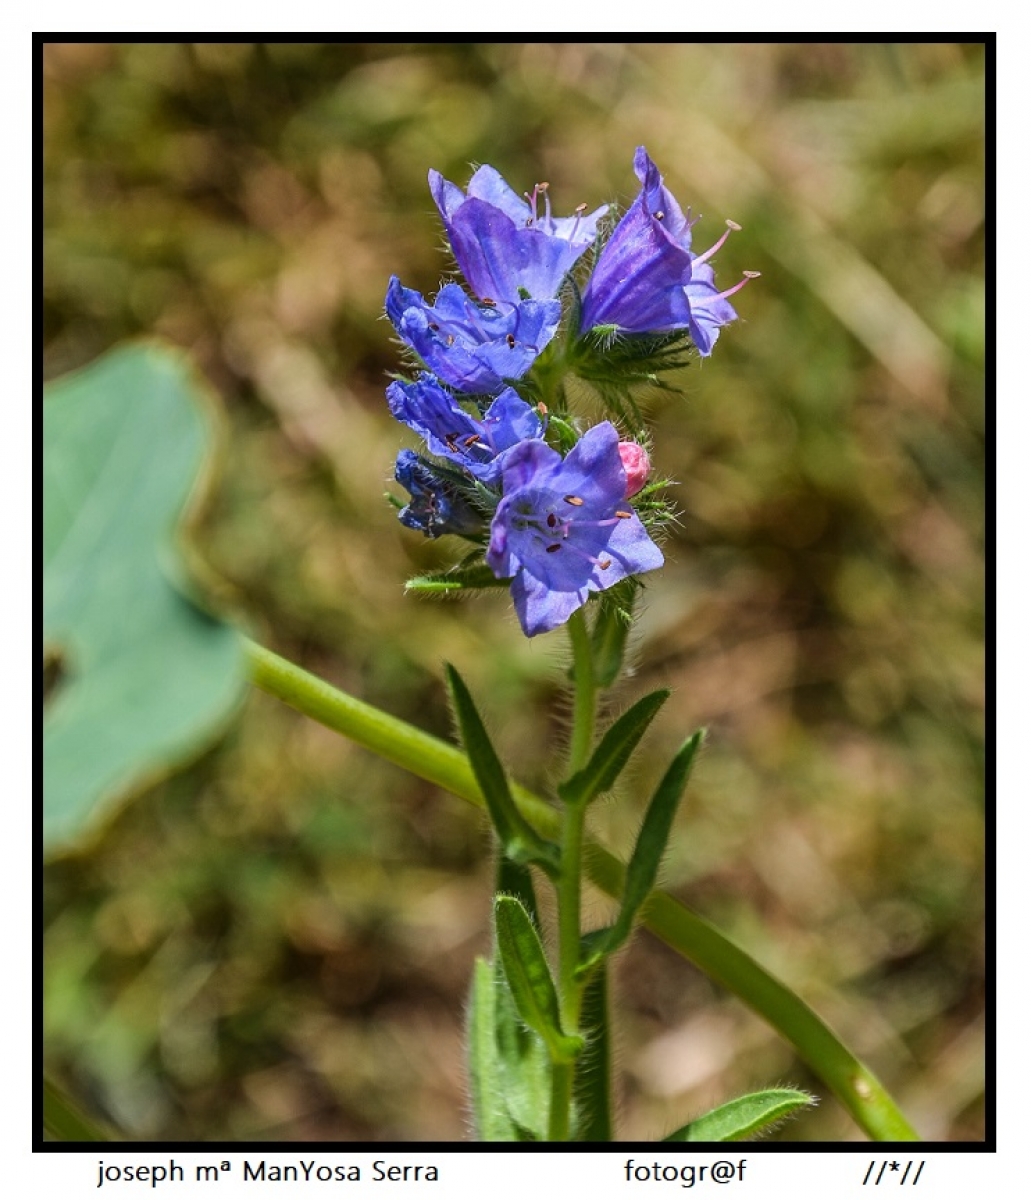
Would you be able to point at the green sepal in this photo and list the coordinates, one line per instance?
(613, 751)
(519, 840)
(643, 868)
(744, 1117)
(592, 1082)
(529, 978)
(562, 434)
(458, 579)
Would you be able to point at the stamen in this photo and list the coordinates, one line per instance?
(450, 339)
(542, 408)
(732, 227)
(471, 440)
(604, 564)
(659, 215)
(623, 516)
(553, 548)
(552, 520)
(488, 301)
(511, 341)
(580, 210)
(730, 291)
(435, 327)
(574, 500)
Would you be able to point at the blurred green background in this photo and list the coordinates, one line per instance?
(276, 943)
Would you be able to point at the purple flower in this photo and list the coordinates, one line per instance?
(437, 506)
(564, 528)
(504, 246)
(472, 347)
(479, 445)
(647, 280)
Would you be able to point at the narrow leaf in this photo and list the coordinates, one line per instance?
(519, 840)
(524, 1067)
(592, 1083)
(490, 1114)
(613, 751)
(64, 1122)
(515, 879)
(459, 579)
(744, 1117)
(526, 970)
(643, 867)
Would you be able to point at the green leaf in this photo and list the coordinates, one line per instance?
(611, 629)
(526, 970)
(63, 1121)
(148, 676)
(643, 867)
(744, 1117)
(613, 751)
(458, 579)
(592, 1082)
(490, 1113)
(515, 879)
(524, 1067)
(519, 840)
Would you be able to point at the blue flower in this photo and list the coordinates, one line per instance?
(437, 506)
(564, 528)
(472, 347)
(504, 246)
(478, 445)
(647, 280)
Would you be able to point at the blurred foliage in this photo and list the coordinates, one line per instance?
(277, 943)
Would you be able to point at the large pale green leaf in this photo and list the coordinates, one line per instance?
(146, 675)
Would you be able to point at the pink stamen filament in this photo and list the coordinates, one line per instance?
(749, 275)
(732, 227)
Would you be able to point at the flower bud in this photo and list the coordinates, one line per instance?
(636, 464)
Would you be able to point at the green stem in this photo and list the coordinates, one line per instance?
(570, 881)
(561, 1098)
(585, 693)
(689, 934)
(585, 703)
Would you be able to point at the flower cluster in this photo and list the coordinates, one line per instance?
(550, 510)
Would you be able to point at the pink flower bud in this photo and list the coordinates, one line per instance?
(637, 464)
